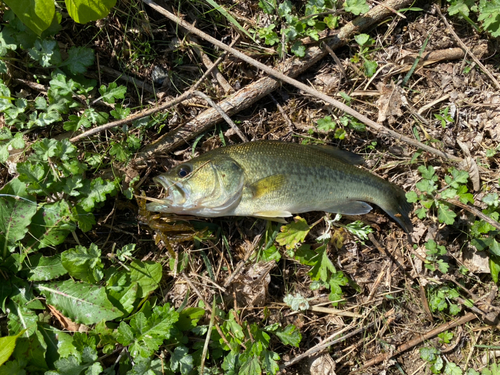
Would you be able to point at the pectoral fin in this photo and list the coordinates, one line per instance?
(267, 185)
(350, 208)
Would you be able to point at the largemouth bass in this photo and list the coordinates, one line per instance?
(273, 179)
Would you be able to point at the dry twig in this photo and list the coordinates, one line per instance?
(380, 129)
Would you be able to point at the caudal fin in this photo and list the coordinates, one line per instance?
(399, 209)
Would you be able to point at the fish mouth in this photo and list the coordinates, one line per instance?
(175, 195)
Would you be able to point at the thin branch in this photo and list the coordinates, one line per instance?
(466, 49)
(381, 130)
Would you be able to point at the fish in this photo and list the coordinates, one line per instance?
(273, 180)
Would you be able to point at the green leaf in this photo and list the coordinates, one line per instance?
(80, 58)
(267, 6)
(121, 291)
(81, 302)
(147, 275)
(293, 233)
(36, 14)
(356, 7)
(429, 354)
(323, 267)
(251, 367)
(95, 192)
(84, 264)
(427, 173)
(446, 215)
(298, 49)
(146, 333)
(290, 335)
(112, 92)
(51, 225)
(411, 197)
(16, 210)
(490, 15)
(296, 302)
(46, 53)
(461, 7)
(83, 11)
(326, 124)
(44, 268)
(7, 346)
(452, 369)
(181, 360)
(269, 359)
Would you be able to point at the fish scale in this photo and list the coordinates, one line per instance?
(273, 179)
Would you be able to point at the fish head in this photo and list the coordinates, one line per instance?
(207, 186)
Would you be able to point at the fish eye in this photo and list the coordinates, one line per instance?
(184, 171)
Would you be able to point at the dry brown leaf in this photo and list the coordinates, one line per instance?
(67, 323)
(390, 102)
(322, 365)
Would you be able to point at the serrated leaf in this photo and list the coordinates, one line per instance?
(293, 233)
(181, 360)
(323, 267)
(326, 124)
(446, 215)
(250, 367)
(146, 333)
(269, 359)
(83, 263)
(121, 291)
(356, 7)
(45, 268)
(81, 302)
(51, 225)
(80, 58)
(96, 192)
(147, 275)
(36, 14)
(83, 11)
(296, 302)
(17, 208)
(290, 335)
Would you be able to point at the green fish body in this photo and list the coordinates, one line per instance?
(273, 179)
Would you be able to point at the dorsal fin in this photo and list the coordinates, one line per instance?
(343, 155)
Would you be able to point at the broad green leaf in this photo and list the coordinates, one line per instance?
(446, 215)
(269, 359)
(147, 275)
(80, 58)
(83, 11)
(181, 361)
(146, 333)
(36, 14)
(326, 124)
(21, 319)
(290, 335)
(189, 317)
(122, 292)
(81, 302)
(251, 367)
(7, 346)
(490, 15)
(95, 192)
(44, 268)
(51, 225)
(84, 263)
(324, 267)
(293, 233)
(16, 210)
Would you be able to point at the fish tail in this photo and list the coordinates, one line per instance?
(397, 207)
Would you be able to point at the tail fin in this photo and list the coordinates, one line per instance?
(399, 209)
